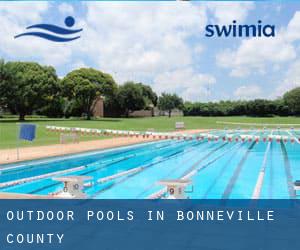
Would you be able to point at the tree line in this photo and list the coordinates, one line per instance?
(289, 104)
(30, 88)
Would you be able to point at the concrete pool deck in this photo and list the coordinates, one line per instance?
(31, 153)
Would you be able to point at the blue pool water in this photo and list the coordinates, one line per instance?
(221, 169)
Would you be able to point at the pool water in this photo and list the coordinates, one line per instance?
(221, 169)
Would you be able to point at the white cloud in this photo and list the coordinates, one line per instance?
(65, 8)
(291, 80)
(293, 28)
(141, 38)
(247, 92)
(226, 12)
(151, 43)
(188, 84)
(131, 41)
(75, 65)
(14, 18)
(79, 64)
(198, 49)
(255, 54)
(23, 11)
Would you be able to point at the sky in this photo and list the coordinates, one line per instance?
(163, 44)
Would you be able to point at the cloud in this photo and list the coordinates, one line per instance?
(187, 83)
(293, 28)
(65, 8)
(254, 55)
(141, 38)
(291, 80)
(226, 12)
(198, 49)
(248, 92)
(139, 41)
(158, 44)
(14, 18)
(23, 12)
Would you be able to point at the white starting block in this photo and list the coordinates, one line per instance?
(73, 186)
(179, 125)
(296, 186)
(73, 137)
(176, 188)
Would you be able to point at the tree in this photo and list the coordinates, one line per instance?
(3, 83)
(131, 98)
(292, 100)
(26, 86)
(84, 85)
(167, 102)
(281, 107)
(149, 94)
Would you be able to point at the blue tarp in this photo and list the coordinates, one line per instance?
(27, 132)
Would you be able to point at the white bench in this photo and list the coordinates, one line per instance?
(64, 137)
(179, 125)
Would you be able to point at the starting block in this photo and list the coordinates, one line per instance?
(176, 188)
(296, 186)
(73, 186)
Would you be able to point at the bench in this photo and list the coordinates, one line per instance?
(179, 125)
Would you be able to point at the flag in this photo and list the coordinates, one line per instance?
(27, 132)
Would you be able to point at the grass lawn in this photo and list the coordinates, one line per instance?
(9, 127)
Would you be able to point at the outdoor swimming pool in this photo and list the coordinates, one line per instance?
(241, 169)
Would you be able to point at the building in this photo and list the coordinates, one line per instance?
(98, 107)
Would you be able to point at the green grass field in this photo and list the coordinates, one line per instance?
(9, 127)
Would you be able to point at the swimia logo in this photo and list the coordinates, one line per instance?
(52, 32)
(239, 30)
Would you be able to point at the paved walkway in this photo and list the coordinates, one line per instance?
(31, 153)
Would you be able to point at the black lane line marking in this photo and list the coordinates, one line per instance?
(236, 174)
(56, 184)
(182, 147)
(203, 158)
(193, 166)
(173, 170)
(64, 161)
(224, 168)
(44, 188)
(23, 170)
(43, 165)
(287, 168)
(145, 167)
(88, 172)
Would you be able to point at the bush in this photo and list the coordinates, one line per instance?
(258, 107)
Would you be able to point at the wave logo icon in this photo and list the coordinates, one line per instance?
(59, 34)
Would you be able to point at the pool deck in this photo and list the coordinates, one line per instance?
(31, 153)
(24, 196)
